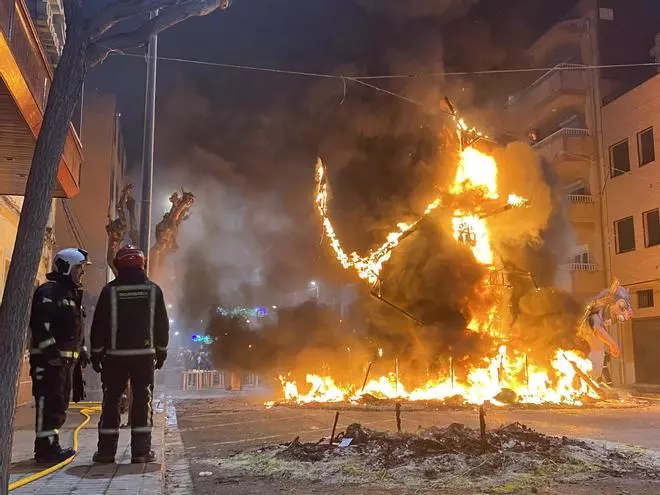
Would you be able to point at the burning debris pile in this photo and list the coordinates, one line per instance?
(506, 460)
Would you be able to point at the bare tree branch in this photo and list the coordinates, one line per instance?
(119, 11)
(169, 16)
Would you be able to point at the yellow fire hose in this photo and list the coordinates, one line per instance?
(86, 409)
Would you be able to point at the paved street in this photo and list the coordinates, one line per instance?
(82, 476)
(214, 428)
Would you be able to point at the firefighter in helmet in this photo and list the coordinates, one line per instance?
(129, 339)
(57, 344)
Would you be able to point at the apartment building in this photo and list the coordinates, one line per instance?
(31, 39)
(81, 220)
(558, 113)
(631, 124)
(595, 127)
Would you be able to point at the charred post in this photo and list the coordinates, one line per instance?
(398, 416)
(526, 370)
(482, 427)
(396, 372)
(366, 377)
(334, 428)
(451, 371)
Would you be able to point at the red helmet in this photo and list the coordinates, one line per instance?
(129, 257)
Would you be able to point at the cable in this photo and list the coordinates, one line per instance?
(86, 409)
(73, 228)
(395, 76)
(392, 93)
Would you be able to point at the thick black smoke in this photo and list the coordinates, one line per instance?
(245, 144)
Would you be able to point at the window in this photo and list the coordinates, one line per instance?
(645, 298)
(625, 235)
(579, 188)
(619, 158)
(652, 228)
(645, 147)
(581, 255)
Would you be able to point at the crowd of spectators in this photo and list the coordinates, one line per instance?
(190, 359)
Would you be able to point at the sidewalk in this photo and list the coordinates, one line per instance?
(82, 475)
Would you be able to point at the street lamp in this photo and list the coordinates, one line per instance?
(314, 286)
(177, 333)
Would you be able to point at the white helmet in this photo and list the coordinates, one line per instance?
(66, 259)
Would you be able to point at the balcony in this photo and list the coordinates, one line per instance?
(581, 208)
(586, 278)
(565, 144)
(559, 90)
(25, 79)
(563, 34)
(582, 267)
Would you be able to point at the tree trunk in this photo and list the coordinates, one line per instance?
(65, 93)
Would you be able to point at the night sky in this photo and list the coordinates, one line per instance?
(247, 141)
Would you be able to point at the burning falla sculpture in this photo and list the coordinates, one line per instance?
(168, 228)
(612, 305)
(563, 376)
(116, 228)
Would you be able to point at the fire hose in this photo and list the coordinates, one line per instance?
(86, 409)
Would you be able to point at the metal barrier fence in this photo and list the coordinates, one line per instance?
(207, 379)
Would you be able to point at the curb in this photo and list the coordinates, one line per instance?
(176, 479)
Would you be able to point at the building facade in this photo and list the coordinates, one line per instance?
(559, 114)
(631, 124)
(81, 220)
(31, 39)
(595, 128)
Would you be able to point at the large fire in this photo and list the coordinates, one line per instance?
(472, 195)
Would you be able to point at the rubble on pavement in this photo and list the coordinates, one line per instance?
(506, 460)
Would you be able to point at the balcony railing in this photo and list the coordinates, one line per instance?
(17, 26)
(563, 132)
(580, 198)
(568, 77)
(582, 267)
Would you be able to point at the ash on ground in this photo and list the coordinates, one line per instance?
(511, 459)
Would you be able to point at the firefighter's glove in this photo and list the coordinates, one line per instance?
(97, 362)
(83, 358)
(161, 356)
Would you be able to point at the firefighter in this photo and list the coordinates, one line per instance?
(129, 338)
(57, 343)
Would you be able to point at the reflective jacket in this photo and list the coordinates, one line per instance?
(56, 318)
(130, 317)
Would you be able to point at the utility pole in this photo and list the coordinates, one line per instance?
(148, 146)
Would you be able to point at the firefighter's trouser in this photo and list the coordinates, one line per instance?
(116, 372)
(51, 388)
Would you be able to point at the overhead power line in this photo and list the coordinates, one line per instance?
(567, 67)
